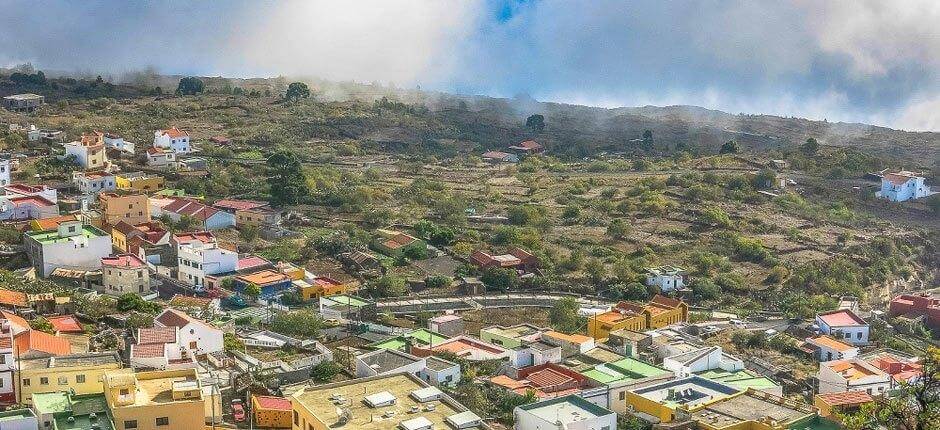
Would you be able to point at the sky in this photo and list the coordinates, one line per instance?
(864, 61)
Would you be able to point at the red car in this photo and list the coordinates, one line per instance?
(238, 410)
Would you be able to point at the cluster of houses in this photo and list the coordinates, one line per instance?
(513, 153)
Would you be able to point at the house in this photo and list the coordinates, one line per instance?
(619, 376)
(34, 344)
(465, 347)
(19, 419)
(172, 139)
(131, 207)
(89, 152)
(659, 312)
(387, 361)
(271, 411)
(534, 353)
(567, 412)
(112, 140)
(160, 348)
(359, 261)
(916, 306)
(499, 157)
(517, 259)
(71, 246)
(8, 359)
(852, 375)
(314, 287)
(702, 360)
(231, 205)
(901, 369)
(404, 342)
(24, 190)
(168, 399)
(123, 232)
(6, 168)
(139, 181)
(26, 102)
(844, 325)
(396, 244)
(662, 400)
(826, 348)
(79, 373)
(61, 410)
(159, 157)
(571, 344)
(545, 380)
(902, 186)
(439, 371)
(211, 218)
(628, 342)
(194, 335)
(257, 217)
(191, 164)
(345, 306)
(150, 242)
(19, 208)
(385, 402)
(271, 282)
(512, 336)
(10, 299)
(752, 409)
(124, 273)
(831, 405)
(93, 182)
(50, 223)
(447, 324)
(528, 147)
(667, 278)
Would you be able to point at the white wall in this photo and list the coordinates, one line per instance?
(528, 421)
(208, 339)
(78, 253)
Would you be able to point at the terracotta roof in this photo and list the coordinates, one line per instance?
(573, 338)
(12, 298)
(200, 236)
(191, 208)
(548, 378)
(6, 342)
(156, 151)
(219, 139)
(16, 320)
(174, 318)
(852, 369)
(33, 200)
(65, 324)
(842, 318)
(124, 227)
(271, 402)
(175, 133)
(830, 343)
(34, 340)
(123, 261)
(665, 301)
(53, 223)
(399, 240)
(898, 178)
(159, 335)
(846, 398)
(149, 350)
(251, 261)
(528, 144)
(238, 204)
(263, 277)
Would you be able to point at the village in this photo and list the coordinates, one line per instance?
(133, 303)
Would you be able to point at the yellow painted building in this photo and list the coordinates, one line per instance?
(79, 372)
(321, 287)
(139, 181)
(160, 400)
(130, 208)
(660, 312)
(271, 412)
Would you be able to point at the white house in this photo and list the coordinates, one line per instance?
(4, 170)
(198, 259)
(194, 335)
(852, 375)
(93, 182)
(439, 371)
(534, 354)
(160, 348)
(18, 208)
(388, 361)
(173, 139)
(115, 141)
(568, 412)
(667, 278)
(7, 361)
(158, 157)
(827, 349)
(210, 217)
(902, 186)
(702, 360)
(844, 325)
(89, 152)
(71, 246)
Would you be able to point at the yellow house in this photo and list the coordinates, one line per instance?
(600, 325)
(79, 372)
(321, 286)
(139, 181)
(159, 400)
(130, 208)
(271, 412)
(50, 223)
(660, 312)
(293, 272)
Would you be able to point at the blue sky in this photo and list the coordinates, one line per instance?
(859, 60)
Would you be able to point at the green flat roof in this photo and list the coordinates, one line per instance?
(422, 336)
(627, 369)
(52, 236)
(346, 300)
(50, 403)
(15, 414)
(741, 379)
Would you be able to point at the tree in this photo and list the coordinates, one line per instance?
(325, 371)
(297, 91)
(500, 279)
(715, 217)
(138, 320)
(231, 342)
(389, 286)
(647, 140)
(437, 281)
(286, 179)
(253, 290)
(730, 147)
(249, 233)
(535, 123)
(564, 315)
(190, 86)
(618, 229)
(810, 147)
(304, 323)
(132, 302)
(766, 178)
(632, 291)
(705, 289)
(916, 406)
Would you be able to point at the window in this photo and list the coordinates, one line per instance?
(296, 418)
(623, 395)
(848, 335)
(130, 424)
(163, 421)
(80, 379)
(124, 392)
(43, 381)
(3, 359)
(26, 382)
(63, 380)
(858, 335)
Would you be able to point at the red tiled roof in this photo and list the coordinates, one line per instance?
(238, 204)
(15, 320)
(124, 227)
(665, 301)
(898, 178)
(271, 402)
(6, 342)
(175, 133)
(529, 144)
(33, 200)
(123, 260)
(24, 189)
(251, 261)
(149, 350)
(173, 318)
(200, 236)
(842, 318)
(12, 298)
(548, 378)
(158, 335)
(34, 340)
(846, 398)
(191, 208)
(65, 324)
(53, 223)
(219, 139)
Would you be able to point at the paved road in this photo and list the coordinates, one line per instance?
(490, 301)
